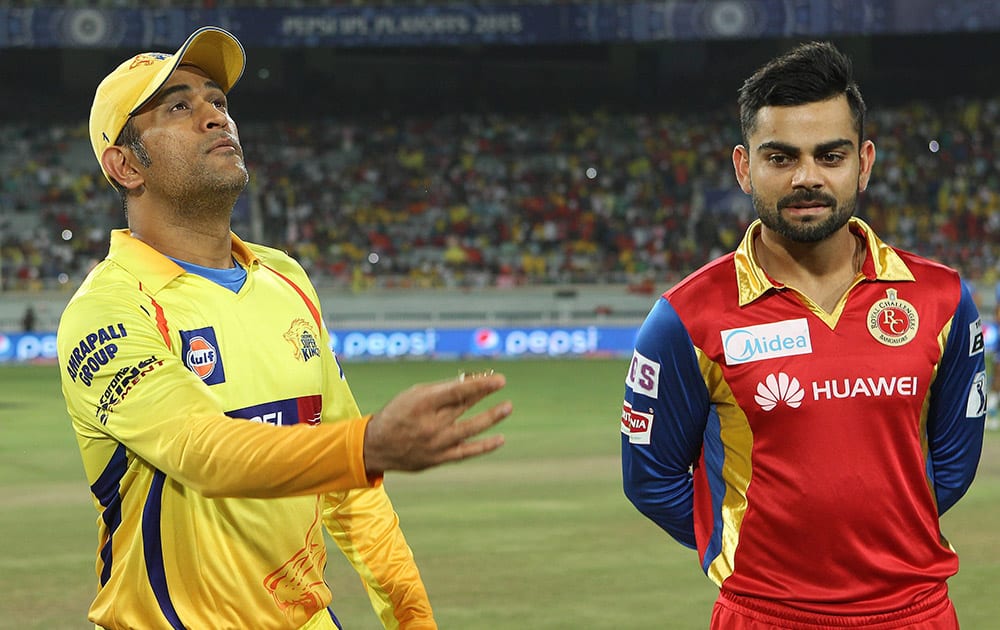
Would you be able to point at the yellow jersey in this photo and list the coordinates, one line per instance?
(219, 437)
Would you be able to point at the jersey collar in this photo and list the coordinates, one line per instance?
(881, 262)
(154, 270)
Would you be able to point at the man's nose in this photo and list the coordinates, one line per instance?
(807, 175)
(212, 117)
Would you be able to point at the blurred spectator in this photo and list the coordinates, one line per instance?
(505, 199)
(29, 319)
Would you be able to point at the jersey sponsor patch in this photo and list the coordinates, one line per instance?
(779, 388)
(766, 341)
(302, 338)
(200, 353)
(976, 343)
(122, 383)
(302, 410)
(975, 407)
(93, 352)
(636, 425)
(893, 321)
(643, 375)
(866, 387)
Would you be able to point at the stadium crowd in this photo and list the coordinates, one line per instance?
(504, 199)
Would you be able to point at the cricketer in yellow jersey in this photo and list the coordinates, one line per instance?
(217, 431)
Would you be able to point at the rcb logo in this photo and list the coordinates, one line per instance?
(893, 321)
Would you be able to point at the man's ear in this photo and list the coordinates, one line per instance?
(867, 159)
(741, 165)
(117, 162)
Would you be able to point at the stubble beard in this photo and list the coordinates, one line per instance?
(210, 196)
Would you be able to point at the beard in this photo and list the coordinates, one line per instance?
(199, 194)
(210, 197)
(810, 229)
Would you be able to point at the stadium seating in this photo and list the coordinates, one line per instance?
(510, 200)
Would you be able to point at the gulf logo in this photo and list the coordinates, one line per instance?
(201, 357)
(485, 339)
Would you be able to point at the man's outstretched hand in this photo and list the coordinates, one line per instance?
(420, 427)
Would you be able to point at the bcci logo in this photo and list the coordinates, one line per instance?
(892, 321)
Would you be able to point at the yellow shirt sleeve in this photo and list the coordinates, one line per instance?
(143, 397)
(365, 527)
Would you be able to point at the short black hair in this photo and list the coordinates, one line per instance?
(809, 73)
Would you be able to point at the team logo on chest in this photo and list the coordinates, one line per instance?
(893, 321)
(303, 340)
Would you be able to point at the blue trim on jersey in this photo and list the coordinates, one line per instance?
(715, 455)
(232, 279)
(957, 414)
(106, 490)
(152, 550)
(336, 621)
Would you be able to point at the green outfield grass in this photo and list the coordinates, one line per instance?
(536, 536)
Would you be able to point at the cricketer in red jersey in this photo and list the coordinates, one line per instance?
(803, 410)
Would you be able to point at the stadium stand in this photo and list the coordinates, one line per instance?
(564, 166)
(511, 200)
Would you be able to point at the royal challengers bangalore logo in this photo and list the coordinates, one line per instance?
(893, 321)
(301, 336)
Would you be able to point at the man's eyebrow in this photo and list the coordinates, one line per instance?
(779, 146)
(164, 94)
(840, 143)
(789, 149)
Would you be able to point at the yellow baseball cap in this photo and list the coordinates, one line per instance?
(130, 86)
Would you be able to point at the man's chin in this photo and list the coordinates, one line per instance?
(236, 181)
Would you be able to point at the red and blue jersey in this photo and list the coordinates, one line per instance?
(807, 455)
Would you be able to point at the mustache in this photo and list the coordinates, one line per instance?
(807, 196)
